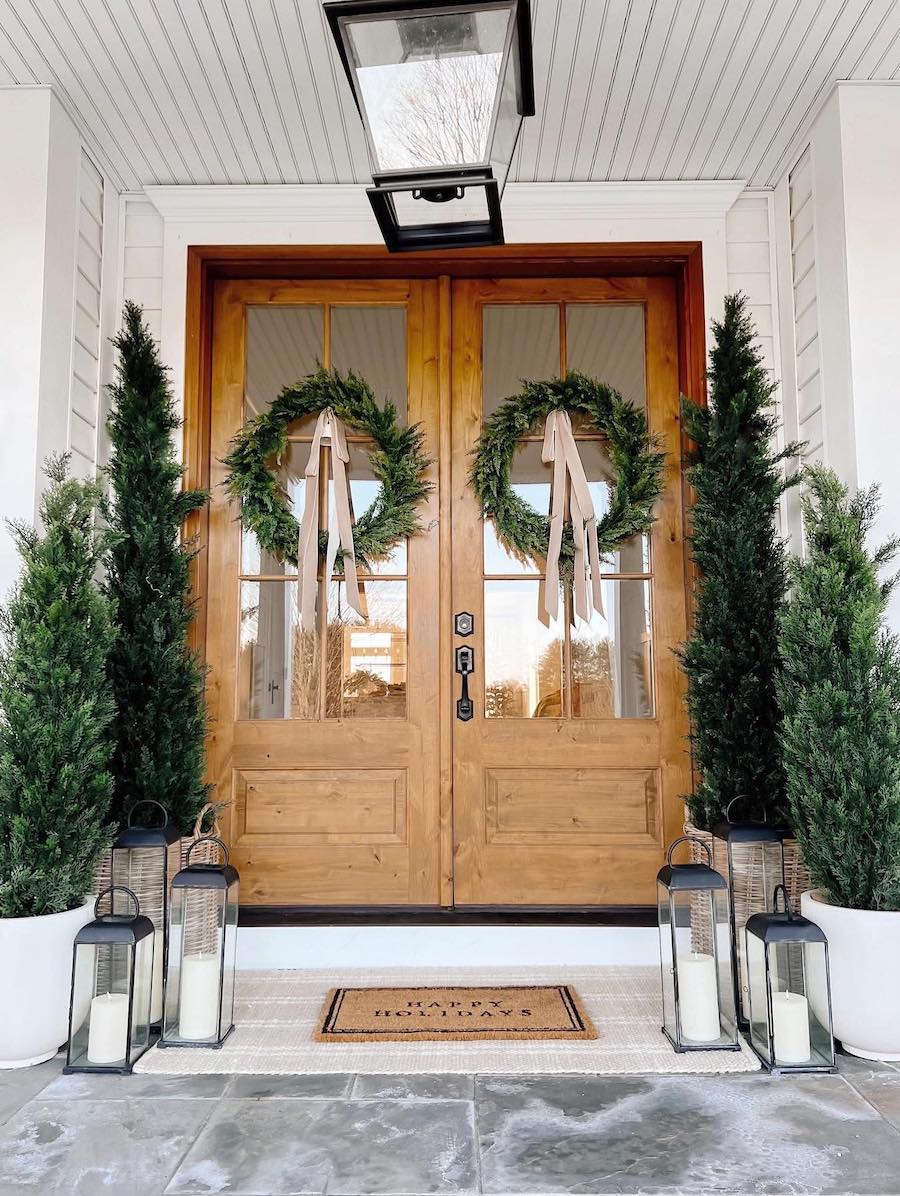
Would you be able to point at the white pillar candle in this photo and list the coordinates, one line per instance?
(790, 1027)
(198, 1012)
(698, 997)
(108, 1031)
(156, 992)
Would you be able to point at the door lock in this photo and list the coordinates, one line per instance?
(465, 666)
(464, 623)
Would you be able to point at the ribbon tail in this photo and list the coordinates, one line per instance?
(551, 451)
(308, 543)
(343, 524)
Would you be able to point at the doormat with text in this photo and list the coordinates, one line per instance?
(453, 1014)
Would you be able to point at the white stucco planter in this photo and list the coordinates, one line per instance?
(864, 953)
(36, 966)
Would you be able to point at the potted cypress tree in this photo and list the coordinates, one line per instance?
(158, 682)
(839, 691)
(56, 710)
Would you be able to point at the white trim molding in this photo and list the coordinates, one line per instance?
(533, 213)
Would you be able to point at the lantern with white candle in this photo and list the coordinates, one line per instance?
(755, 857)
(696, 965)
(199, 992)
(790, 991)
(145, 859)
(112, 975)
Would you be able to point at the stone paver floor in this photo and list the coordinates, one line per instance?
(268, 1136)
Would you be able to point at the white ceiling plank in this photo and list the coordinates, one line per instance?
(657, 46)
(609, 49)
(342, 123)
(549, 77)
(659, 164)
(836, 59)
(878, 60)
(17, 69)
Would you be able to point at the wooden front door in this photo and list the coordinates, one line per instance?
(350, 780)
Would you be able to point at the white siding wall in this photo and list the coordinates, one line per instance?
(749, 256)
(142, 257)
(804, 299)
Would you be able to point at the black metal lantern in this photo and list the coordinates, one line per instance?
(145, 860)
(203, 914)
(112, 974)
(754, 853)
(790, 991)
(442, 89)
(695, 955)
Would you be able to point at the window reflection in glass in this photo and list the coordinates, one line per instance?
(523, 658)
(371, 341)
(284, 344)
(606, 342)
(611, 656)
(521, 341)
(366, 675)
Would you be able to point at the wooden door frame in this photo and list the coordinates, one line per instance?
(208, 264)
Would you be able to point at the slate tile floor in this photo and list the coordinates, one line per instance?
(273, 1135)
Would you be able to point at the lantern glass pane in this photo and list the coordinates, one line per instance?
(144, 975)
(428, 84)
(758, 1003)
(667, 961)
(800, 1014)
(148, 872)
(412, 212)
(101, 986)
(747, 859)
(196, 944)
(230, 955)
(723, 947)
(696, 968)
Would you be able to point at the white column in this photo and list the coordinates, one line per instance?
(40, 148)
(856, 184)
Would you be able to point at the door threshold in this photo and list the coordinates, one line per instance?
(472, 915)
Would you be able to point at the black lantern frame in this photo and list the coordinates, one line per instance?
(749, 846)
(108, 933)
(798, 949)
(145, 859)
(438, 182)
(692, 905)
(195, 924)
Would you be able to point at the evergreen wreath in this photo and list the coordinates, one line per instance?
(637, 461)
(398, 462)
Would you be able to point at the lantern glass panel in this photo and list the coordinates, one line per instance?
(797, 1003)
(704, 988)
(147, 871)
(412, 212)
(428, 83)
(226, 1019)
(197, 919)
(758, 859)
(101, 1036)
(667, 960)
(758, 1003)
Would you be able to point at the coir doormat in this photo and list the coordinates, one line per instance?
(453, 1014)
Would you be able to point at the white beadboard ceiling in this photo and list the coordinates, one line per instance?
(250, 91)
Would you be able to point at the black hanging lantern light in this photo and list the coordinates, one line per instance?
(442, 89)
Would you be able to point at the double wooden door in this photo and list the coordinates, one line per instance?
(350, 780)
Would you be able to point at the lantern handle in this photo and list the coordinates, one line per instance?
(690, 839)
(206, 839)
(788, 908)
(740, 797)
(114, 889)
(150, 801)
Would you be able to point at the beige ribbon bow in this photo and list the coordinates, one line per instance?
(329, 433)
(574, 499)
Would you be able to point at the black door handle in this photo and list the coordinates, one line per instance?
(465, 666)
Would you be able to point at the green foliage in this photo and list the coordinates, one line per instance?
(731, 659)
(158, 682)
(56, 707)
(634, 455)
(840, 695)
(398, 462)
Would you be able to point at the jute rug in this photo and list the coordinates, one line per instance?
(277, 1013)
(498, 1012)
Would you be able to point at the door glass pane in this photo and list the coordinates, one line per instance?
(284, 344)
(530, 479)
(363, 491)
(372, 342)
(521, 343)
(606, 342)
(291, 480)
(611, 656)
(367, 660)
(278, 664)
(523, 658)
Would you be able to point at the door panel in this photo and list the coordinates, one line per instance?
(568, 780)
(326, 744)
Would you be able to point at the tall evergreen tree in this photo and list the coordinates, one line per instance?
(56, 707)
(158, 681)
(839, 690)
(731, 657)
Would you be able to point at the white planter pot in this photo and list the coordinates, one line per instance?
(36, 965)
(864, 954)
